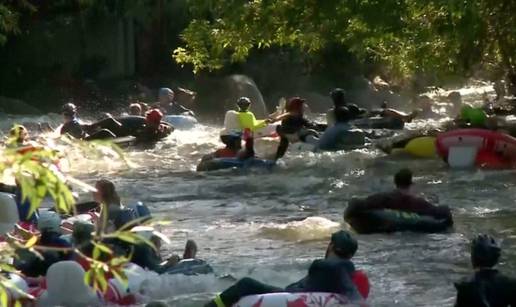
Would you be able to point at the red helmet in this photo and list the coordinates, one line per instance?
(154, 116)
(295, 104)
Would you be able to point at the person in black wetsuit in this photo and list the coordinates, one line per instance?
(71, 125)
(338, 96)
(96, 131)
(487, 287)
(150, 128)
(294, 126)
(168, 104)
(334, 274)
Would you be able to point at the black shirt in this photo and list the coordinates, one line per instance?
(486, 288)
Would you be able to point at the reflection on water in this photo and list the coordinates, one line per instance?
(270, 225)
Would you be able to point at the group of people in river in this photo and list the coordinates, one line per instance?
(335, 273)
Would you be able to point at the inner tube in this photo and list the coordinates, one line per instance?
(225, 163)
(379, 123)
(181, 122)
(388, 221)
(305, 299)
(191, 267)
(419, 147)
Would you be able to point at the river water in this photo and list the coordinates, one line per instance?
(270, 225)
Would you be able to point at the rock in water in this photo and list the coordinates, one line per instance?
(240, 85)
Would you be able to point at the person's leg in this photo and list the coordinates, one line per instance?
(190, 250)
(282, 148)
(243, 287)
(101, 135)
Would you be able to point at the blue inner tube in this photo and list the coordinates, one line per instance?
(181, 121)
(388, 221)
(191, 267)
(225, 163)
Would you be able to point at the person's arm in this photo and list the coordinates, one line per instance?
(361, 281)
(257, 124)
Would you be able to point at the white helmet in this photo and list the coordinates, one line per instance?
(50, 221)
(8, 213)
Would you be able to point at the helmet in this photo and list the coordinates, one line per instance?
(344, 244)
(49, 221)
(295, 104)
(8, 213)
(244, 103)
(69, 109)
(338, 96)
(154, 116)
(166, 92)
(485, 251)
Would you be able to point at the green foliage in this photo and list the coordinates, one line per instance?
(407, 36)
(38, 176)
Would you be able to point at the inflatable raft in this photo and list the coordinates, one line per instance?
(191, 267)
(379, 123)
(181, 122)
(225, 163)
(304, 299)
(419, 147)
(387, 221)
(466, 148)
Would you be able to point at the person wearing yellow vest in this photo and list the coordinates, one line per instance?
(235, 122)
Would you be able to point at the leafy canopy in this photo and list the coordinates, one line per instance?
(407, 36)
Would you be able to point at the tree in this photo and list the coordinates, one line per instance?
(36, 173)
(434, 37)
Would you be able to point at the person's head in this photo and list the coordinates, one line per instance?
(153, 118)
(338, 96)
(69, 111)
(295, 105)
(384, 105)
(485, 252)
(144, 106)
(455, 98)
(106, 193)
(49, 222)
(19, 134)
(135, 109)
(342, 115)
(342, 245)
(82, 233)
(166, 95)
(403, 179)
(243, 104)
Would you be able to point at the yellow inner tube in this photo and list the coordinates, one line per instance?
(422, 147)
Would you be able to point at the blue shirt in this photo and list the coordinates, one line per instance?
(339, 136)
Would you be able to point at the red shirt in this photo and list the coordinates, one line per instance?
(361, 281)
(225, 153)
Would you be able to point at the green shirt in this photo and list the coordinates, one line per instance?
(475, 116)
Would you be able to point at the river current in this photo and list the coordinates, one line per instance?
(270, 225)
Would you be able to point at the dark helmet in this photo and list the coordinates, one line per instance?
(344, 245)
(338, 96)
(243, 103)
(485, 251)
(69, 109)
